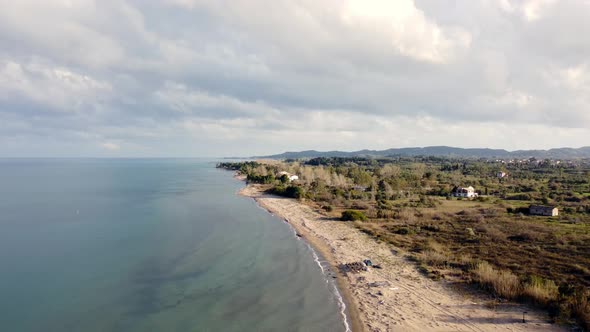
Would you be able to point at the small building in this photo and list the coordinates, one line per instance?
(501, 175)
(543, 210)
(359, 188)
(467, 192)
(291, 177)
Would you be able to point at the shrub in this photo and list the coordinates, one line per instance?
(431, 228)
(519, 197)
(467, 262)
(573, 199)
(516, 210)
(360, 205)
(294, 192)
(290, 191)
(494, 233)
(352, 215)
(265, 179)
(284, 178)
(404, 231)
(502, 283)
(540, 291)
(406, 215)
(525, 236)
(581, 308)
(435, 258)
(384, 214)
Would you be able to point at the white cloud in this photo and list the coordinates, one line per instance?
(110, 146)
(408, 29)
(530, 10)
(182, 99)
(45, 84)
(536, 9)
(184, 76)
(506, 5)
(576, 77)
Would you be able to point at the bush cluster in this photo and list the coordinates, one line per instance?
(353, 215)
(291, 191)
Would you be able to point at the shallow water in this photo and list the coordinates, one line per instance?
(149, 245)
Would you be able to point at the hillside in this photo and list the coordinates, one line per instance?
(446, 151)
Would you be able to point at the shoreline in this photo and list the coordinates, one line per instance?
(352, 317)
(396, 296)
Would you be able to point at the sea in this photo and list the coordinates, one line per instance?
(151, 245)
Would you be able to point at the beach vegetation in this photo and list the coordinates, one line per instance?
(291, 191)
(353, 215)
(491, 240)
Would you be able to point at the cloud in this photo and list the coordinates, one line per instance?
(535, 9)
(51, 86)
(204, 104)
(110, 146)
(199, 77)
(409, 31)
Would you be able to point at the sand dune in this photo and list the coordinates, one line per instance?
(396, 297)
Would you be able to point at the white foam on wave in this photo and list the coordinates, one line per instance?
(342, 306)
(336, 292)
(316, 259)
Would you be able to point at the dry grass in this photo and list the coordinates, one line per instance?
(541, 291)
(514, 248)
(493, 232)
(503, 283)
(434, 258)
(581, 309)
(467, 262)
(408, 216)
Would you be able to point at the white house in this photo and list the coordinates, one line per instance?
(468, 192)
(291, 177)
(501, 175)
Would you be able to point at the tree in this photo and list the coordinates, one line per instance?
(284, 178)
(294, 192)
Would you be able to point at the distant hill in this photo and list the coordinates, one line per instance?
(443, 151)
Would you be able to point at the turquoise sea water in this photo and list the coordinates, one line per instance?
(150, 245)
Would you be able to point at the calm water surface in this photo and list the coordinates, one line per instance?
(149, 245)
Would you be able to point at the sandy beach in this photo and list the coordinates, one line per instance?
(395, 297)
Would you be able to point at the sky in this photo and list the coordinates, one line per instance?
(190, 78)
